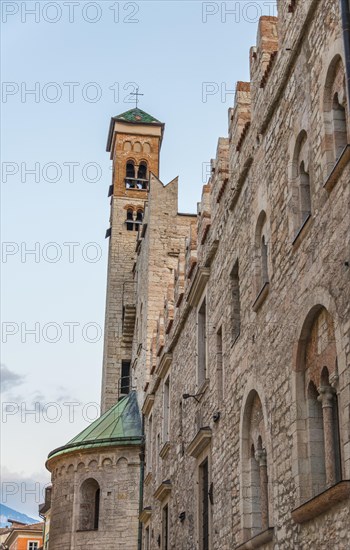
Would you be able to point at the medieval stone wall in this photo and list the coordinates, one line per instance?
(269, 254)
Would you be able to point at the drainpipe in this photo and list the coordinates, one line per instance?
(142, 476)
(345, 15)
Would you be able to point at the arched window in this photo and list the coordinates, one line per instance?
(261, 253)
(335, 113)
(142, 172)
(300, 183)
(142, 175)
(319, 454)
(130, 169)
(130, 219)
(339, 126)
(139, 216)
(254, 466)
(89, 505)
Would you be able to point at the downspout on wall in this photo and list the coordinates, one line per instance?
(142, 476)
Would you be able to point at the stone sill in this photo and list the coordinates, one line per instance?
(146, 514)
(165, 450)
(337, 169)
(261, 297)
(87, 530)
(301, 231)
(322, 502)
(258, 540)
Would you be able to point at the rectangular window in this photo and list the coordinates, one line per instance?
(33, 545)
(166, 410)
(150, 446)
(147, 539)
(204, 505)
(125, 378)
(236, 302)
(202, 343)
(219, 366)
(165, 528)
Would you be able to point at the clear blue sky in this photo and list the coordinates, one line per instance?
(170, 49)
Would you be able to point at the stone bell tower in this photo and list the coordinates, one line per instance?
(134, 143)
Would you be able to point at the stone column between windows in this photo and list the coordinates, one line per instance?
(326, 398)
(260, 457)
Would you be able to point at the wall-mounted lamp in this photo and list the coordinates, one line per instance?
(188, 395)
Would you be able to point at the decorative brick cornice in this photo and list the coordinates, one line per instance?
(243, 136)
(268, 69)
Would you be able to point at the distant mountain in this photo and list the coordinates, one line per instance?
(6, 512)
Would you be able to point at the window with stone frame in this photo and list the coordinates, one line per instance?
(261, 256)
(320, 459)
(89, 509)
(130, 219)
(204, 505)
(254, 468)
(148, 538)
(202, 342)
(165, 528)
(219, 366)
(235, 302)
(335, 113)
(166, 410)
(300, 183)
(149, 446)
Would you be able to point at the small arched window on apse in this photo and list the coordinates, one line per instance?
(89, 512)
(130, 174)
(142, 174)
(335, 113)
(130, 219)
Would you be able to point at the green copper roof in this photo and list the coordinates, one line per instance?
(120, 425)
(137, 115)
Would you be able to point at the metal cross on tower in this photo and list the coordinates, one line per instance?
(137, 94)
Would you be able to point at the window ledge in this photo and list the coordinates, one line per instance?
(86, 530)
(146, 514)
(301, 231)
(261, 297)
(322, 502)
(258, 540)
(165, 450)
(338, 168)
(163, 490)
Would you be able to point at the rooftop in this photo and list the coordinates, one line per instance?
(120, 425)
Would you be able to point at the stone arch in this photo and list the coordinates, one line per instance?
(81, 467)
(89, 505)
(122, 461)
(137, 147)
(256, 460)
(315, 429)
(127, 146)
(70, 469)
(93, 465)
(335, 112)
(147, 149)
(300, 182)
(107, 464)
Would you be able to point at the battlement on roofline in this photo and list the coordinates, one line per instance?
(248, 128)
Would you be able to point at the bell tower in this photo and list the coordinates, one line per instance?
(134, 143)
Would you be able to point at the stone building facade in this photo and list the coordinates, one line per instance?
(231, 327)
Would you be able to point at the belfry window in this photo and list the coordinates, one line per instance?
(130, 220)
(142, 171)
(130, 169)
